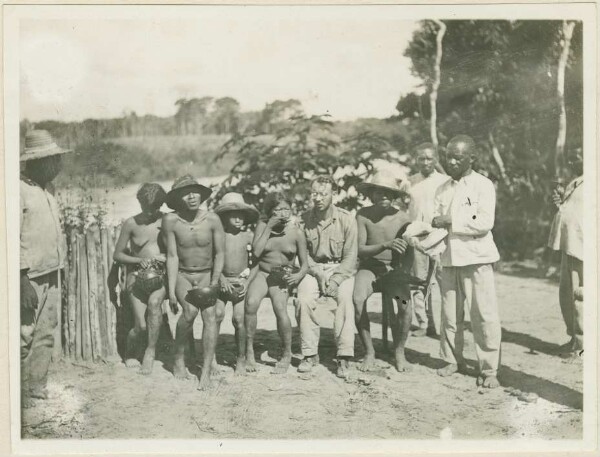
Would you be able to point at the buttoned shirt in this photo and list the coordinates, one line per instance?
(333, 240)
(43, 245)
(422, 195)
(566, 232)
(471, 203)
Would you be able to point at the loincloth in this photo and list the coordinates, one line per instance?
(239, 291)
(144, 281)
(275, 277)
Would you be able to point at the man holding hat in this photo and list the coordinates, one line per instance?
(235, 213)
(195, 254)
(42, 257)
(465, 206)
(383, 265)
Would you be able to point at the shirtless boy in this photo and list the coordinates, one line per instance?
(195, 256)
(378, 241)
(276, 244)
(146, 250)
(234, 214)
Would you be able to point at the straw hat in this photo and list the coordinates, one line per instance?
(182, 185)
(39, 144)
(233, 201)
(383, 181)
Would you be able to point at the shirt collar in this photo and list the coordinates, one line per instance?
(324, 222)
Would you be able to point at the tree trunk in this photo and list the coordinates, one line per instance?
(559, 159)
(498, 159)
(436, 85)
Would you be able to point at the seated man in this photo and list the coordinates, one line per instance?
(195, 257)
(379, 229)
(141, 234)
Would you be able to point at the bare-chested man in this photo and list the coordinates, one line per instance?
(195, 256)
(378, 239)
(235, 213)
(276, 244)
(146, 250)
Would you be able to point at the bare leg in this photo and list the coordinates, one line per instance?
(401, 330)
(257, 290)
(284, 327)
(210, 333)
(240, 337)
(153, 322)
(137, 333)
(363, 288)
(184, 327)
(219, 315)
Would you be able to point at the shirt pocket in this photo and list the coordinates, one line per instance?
(336, 246)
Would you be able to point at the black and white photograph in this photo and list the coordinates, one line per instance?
(301, 225)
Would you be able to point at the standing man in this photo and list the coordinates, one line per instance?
(42, 258)
(465, 205)
(424, 184)
(195, 256)
(566, 236)
(331, 239)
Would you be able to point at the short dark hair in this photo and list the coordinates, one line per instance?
(151, 195)
(325, 179)
(424, 146)
(274, 199)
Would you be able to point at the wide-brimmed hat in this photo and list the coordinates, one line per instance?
(181, 186)
(383, 181)
(232, 201)
(39, 144)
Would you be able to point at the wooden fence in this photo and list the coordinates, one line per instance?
(89, 315)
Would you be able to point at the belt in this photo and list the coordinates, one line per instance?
(329, 262)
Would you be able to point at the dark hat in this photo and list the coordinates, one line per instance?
(39, 144)
(233, 201)
(183, 185)
(383, 181)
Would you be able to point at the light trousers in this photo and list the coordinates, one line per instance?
(312, 305)
(473, 286)
(37, 332)
(571, 278)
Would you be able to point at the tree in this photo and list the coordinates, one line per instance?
(225, 116)
(276, 113)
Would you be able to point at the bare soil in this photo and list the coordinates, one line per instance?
(108, 400)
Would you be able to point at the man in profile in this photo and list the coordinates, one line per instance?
(195, 243)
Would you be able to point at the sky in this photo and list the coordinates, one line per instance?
(348, 67)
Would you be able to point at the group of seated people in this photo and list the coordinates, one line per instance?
(200, 260)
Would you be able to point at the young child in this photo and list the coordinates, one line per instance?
(277, 242)
(234, 214)
(146, 252)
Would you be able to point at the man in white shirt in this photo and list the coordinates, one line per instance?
(465, 206)
(424, 184)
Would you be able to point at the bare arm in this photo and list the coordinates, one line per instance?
(261, 236)
(365, 250)
(218, 249)
(120, 255)
(168, 224)
(295, 278)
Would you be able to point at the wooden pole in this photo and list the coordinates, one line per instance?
(65, 308)
(113, 308)
(107, 303)
(72, 298)
(93, 294)
(102, 319)
(437, 77)
(82, 276)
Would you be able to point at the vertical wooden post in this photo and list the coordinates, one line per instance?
(82, 276)
(106, 264)
(72, 297)
(93, 294)
(65, 306)
(113, 307)
(101, 303)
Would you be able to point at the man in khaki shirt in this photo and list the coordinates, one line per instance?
(331, 238)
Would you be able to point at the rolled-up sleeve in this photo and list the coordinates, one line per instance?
(347, 267)
(476, 220)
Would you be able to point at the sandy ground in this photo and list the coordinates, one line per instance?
(111, 401)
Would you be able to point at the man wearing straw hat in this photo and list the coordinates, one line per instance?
(381, 254)
(195, 256)
(235, 213)
(42, 257)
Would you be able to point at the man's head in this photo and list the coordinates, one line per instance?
(187, 194)
(44, 170)
(234, 219)
(151, 197)
(460, 154)
(321, 192)
(235, 212)
(383, 198)
(426, 154)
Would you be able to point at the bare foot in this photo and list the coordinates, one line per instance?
(240, 366)
(491, 382)
(282, 365)
(205, 383)
(180, 371)
(402, 364)
(448, 370)
(215, 368)
(147, 363)
(250, 360)
(132, 363)
(368, 363)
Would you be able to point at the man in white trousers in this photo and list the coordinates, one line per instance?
(465, 206)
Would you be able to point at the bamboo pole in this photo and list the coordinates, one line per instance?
(102, 319)
(107, 303)
(82, 277)
(65, 308)
(72, 298)
(93, 294)
(113, 308)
